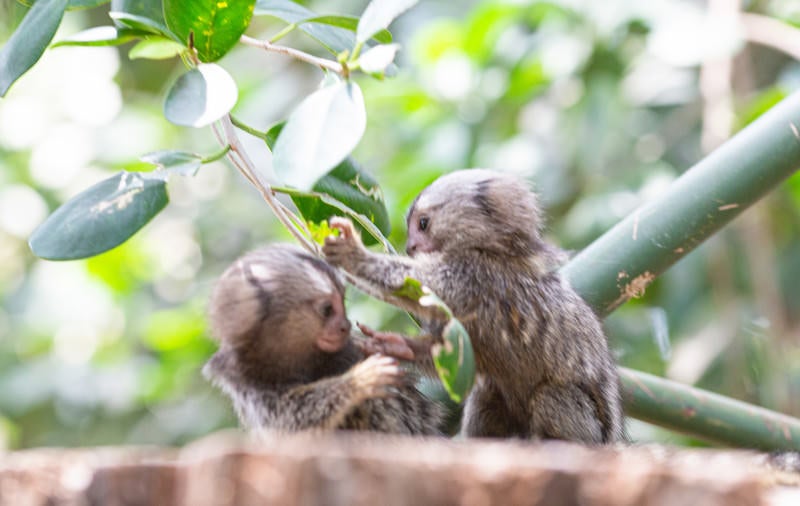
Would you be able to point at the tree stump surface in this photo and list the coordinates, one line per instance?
(359, 469)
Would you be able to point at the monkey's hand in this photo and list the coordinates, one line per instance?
(374, 376)
(388, 343)
(346, 250)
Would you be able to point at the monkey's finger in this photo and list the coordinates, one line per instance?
(367, 331)
(385, 370)
(368, 347)
(394, 349)
(344, 226)
(397, 350)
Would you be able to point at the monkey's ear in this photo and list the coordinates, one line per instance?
(216, 366)
(517, 212)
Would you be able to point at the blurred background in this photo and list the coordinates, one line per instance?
(599, 104)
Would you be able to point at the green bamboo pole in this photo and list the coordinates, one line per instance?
(625, 260)
(706, 415)
(620, 264)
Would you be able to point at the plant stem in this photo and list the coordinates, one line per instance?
(278, 36)
(239, 158)
(726, 421)
(216, 156)
(294, 53)
(770, 32)
(356, 51)
(247, 128)
(331, 201)
(705, 198)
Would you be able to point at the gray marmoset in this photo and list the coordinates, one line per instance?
(286, 358)
(543, 362)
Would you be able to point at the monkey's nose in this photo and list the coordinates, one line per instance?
(345, 328)
(411, 248)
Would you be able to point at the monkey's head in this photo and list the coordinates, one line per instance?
(279, 309)
(475, 209)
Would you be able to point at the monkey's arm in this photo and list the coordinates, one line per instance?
(378, 275)
(386, 272)
(324, 404)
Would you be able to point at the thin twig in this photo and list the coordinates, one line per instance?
(294, 53)
(370, 227)
(239, 158)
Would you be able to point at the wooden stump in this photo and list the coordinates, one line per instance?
(359, 469)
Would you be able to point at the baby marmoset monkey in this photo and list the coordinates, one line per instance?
(286, 358)
(543, 362)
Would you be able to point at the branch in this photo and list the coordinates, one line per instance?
(771, 32)
(707, 415)
(238, 156)
(294, 53)
(333, 202)
(626, 259)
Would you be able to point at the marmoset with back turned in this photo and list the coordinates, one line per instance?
(543, 362)
(286, 358)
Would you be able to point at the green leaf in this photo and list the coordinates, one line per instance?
(453, 357)
(348, 23)
(155, 49)
(319, 231)
(141, 14)
(378, 15)
(319, 134)
(333, 38)
(72, 5)
(85, 4)
(377, 59)
(29, 41)
(286, 10)
(100, 218)
(100, 36)
(149, 13)
(201, 96)
(353, 186)
(455, 361)
(431, 299)
(348, 183)
(138, 23)
(216, 25)
(176, 162)
(272, 134)
(411, 289)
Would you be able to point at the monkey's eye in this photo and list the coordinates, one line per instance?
(423, 223)
(326, 310)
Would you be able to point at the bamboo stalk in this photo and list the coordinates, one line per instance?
(625, 260)
(706, 415)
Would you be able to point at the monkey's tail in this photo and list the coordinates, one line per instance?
(609, 410)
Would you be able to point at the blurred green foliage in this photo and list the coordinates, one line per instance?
(599, 104)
